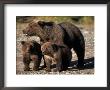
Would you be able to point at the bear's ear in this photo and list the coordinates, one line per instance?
(22, 42)
(55, 47)
(34, 43)
(49, 23)
(41, 23)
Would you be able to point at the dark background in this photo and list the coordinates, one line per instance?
(2, 49)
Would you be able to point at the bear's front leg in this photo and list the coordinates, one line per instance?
(58, 65)
(48, 64)
(36, 65)
(26, 64)
(48, 61)
(36, 62)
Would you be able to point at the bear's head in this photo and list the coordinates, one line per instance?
(41, 29)
(49, 48)
(31, 47)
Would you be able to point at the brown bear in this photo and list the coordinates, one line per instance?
(31, 51)
(62, 33)
(60, 54)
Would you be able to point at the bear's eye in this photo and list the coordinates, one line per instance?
(28, 45)
(49, 49)
(44, 49)
(47, 39)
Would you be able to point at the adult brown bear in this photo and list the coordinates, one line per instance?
(62, 33)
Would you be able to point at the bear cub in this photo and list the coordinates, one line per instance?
(31, 51)
(61, 54)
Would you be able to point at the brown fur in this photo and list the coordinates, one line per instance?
(61, 54)
(62, 33)
(31, 51)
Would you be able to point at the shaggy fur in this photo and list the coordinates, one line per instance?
(62, 33)
(31, 51)
(61, 54)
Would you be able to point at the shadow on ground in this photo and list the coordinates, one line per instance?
(88, 64)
